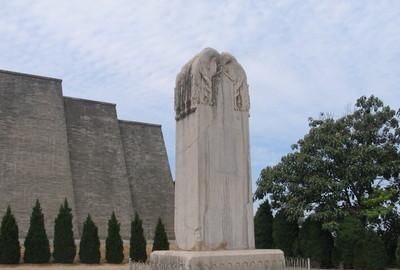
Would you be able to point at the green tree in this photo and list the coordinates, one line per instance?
(369, 252)
(390, 232)
(285, 234)
(89, 248)
(37, 248)
(137, 242)
(398, 252)
(316, 243)
(114, 244)
(160, 237)
(10, 252)
(64, 243)
(344, 166)
(263, 222)
(349, 232)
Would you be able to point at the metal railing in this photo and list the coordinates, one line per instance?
(297, 263)
(138, 266)
(291, 263)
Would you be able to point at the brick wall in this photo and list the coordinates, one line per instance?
(149, 175)
(98, 165)
(54, 147)
(34, 158)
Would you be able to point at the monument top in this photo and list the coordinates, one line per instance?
(196, 83)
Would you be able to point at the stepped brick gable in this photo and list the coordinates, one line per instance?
(54, 147)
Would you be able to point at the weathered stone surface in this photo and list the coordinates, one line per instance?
(257, 259)
(98, 165)
(148, 170)
(213, 201)
(34, 157)
(41, 138)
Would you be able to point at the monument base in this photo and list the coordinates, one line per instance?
(254, 259)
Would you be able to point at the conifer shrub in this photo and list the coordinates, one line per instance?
(89, 248)
(349, 232)
(398, 252)
(369, 252)
(37, 248)
(64, 243)
(285, 234)
(114, 244)
(390, 232)
(137, 250)
(316, 244)
(328, 249)
(10, 251)
(263, 222)
(160, 237)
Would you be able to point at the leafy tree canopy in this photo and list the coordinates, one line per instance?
(344, 166)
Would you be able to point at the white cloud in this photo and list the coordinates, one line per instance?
(301, 57)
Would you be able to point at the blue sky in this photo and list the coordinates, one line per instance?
(301, 57)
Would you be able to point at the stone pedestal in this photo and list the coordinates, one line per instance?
(256, 259)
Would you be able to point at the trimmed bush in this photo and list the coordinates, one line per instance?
(316, 244)
(137, 250)
(369, 252)
(398, 252)
(160, 237)
(114, 244)
(285, 234)
(89, 248)
(10, 252)
(349, 232)
(64, 243)
(263, 223)
(390, 232)
(327, 247)
(37, 248)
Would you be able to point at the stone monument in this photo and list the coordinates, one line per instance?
(213, 196)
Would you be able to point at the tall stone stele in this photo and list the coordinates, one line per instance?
(213, 197)
(214, 207)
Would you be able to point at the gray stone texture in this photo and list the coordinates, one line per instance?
(213, 214)
(256, 259)
(214, 206)
(98, 165)
(148, 170)
(54, 147)
(34, 157)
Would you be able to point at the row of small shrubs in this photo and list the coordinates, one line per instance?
(350, 245)
(37, 247)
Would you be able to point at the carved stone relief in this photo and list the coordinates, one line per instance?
(198, 81)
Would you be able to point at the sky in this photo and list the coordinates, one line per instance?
(301, 57)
